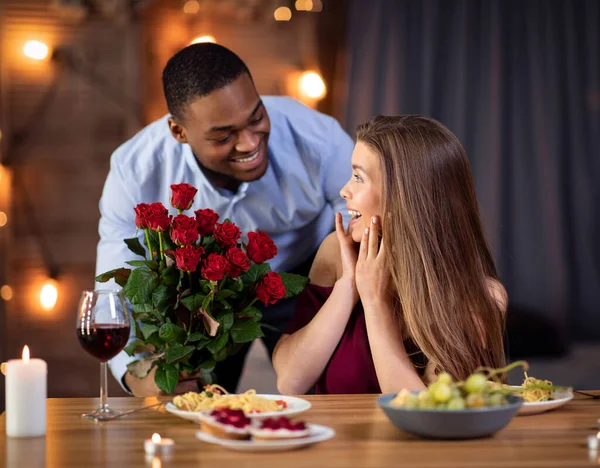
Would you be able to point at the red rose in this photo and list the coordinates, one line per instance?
(184, 230)
(215, 267)
(182, 196)
(187, 258)
(157, 217)
(260, 247)
(239, 261)
(141, 215)
(270, 288)
(206, 221)
(227, 234)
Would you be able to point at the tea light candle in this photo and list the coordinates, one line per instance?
(593, 441)
(158, 446)
(26, 396)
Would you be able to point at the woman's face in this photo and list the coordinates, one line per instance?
(363, 191)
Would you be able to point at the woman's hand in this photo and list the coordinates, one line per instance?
(347, 248)
(372, 272)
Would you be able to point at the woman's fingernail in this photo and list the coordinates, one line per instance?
(374, 219)
(366, 231)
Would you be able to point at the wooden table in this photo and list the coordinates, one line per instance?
(365, 438)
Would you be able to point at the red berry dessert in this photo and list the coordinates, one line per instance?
(279, 428)
(226, 423)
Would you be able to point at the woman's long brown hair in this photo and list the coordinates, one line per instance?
(439, 258)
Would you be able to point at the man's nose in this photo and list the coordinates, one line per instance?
(248, 141)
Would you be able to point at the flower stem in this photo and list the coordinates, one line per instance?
(148, 243)
(162, 256)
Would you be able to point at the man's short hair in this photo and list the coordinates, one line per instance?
(196, 71)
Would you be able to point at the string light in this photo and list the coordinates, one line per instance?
(317, 6)
(312, 85)
(6, 292)
(35, 50)
(282, 14)
(201, 39)
(304, 5)
(3, 219)
(191, 7)
(48, 295)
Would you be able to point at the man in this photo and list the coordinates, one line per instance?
(268, 164)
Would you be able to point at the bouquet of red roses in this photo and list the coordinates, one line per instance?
(194, 291)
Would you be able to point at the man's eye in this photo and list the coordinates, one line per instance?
(256, 121)
(224, 139)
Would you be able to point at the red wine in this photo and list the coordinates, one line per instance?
(103, 341)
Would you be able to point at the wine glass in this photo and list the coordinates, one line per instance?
(103, 330)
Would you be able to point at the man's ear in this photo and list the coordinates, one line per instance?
(177, 131)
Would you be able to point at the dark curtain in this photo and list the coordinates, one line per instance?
(519, 83)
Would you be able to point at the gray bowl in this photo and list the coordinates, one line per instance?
(450, 424)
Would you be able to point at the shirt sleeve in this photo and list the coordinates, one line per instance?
(308, 305)
(117, 222)
(337, 168)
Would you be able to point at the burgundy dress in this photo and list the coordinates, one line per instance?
(351, 368)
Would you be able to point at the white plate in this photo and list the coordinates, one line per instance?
(294, 406)
(317, 434)
(561, 397)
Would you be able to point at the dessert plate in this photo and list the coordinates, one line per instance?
(295, 405)
(317, 433)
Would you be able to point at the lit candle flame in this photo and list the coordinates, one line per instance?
(598, 436)
(156, 462)
(156, 438)
(25, 353)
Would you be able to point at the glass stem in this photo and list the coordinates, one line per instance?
(103, 387)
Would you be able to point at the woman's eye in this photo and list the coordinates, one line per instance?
(357, 178)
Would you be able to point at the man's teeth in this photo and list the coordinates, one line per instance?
(354, 214)
(248, 159)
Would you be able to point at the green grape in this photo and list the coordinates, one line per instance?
(441, 406)
(412, 401)
(440, 392)
(475, 400)
(497, 399)
(444, 378)
(425, 401)
(456, 404)
(456, 393)
(476, 383)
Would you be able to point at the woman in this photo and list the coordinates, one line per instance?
(410, 288)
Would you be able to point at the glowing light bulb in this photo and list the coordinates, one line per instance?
(48, 295)
(282, 14)
(156, 438)
(6, 292)
(312, 85)
(201, 39)
(191, 7)
(35, 50)
(3, 219)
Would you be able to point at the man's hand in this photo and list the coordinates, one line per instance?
(146, 387)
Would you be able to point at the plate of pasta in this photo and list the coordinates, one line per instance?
(192, 405)
(541, 395)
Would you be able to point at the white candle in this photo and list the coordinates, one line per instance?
(158, 446)
(26, 396)
(593, 441)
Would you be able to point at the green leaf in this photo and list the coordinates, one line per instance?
(224, 293)
(161, 298)
(252, 313)
(294, 284)
(148, 329)
(120, 275)
(170, 332)
(135, 246)
(208, 364)
(217, 345)
(221, 355)
(140, 285)
(245, 330)
(167, 378)
(193, 303)
(195, 337)
(136, 347)
(177, 352)
(170, 275)
(206, 303)
(140, 263)
(238, 285)
(255, 272)
(205, 286)
(142, 308)
(225, 319)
